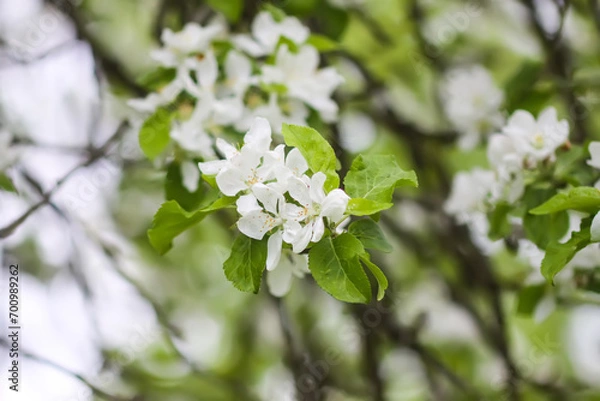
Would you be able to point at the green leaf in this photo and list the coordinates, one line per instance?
(544, 229)
(171, 220)
(246, 263)
(279, 89)
(231, 9)
(315, 149)
(369, 233)
(175, 190)
(583, 199)
(365, 207)
(567, 161)
(529, 297)
(277, 13)
(157, 78)
(335, 266)
(382, 280)
(375, 177)
(6, 183)
(499, 224)
(154, 134)
(558, 255)
(333, 20)
(291, 45)
(322, 43)
(520, 84)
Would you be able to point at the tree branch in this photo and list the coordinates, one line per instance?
(95, 155)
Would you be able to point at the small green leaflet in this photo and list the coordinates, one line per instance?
(366, 207)
(583, 199)
(154, 134)
(246, 263)
(322, 43)
(6, 183)
(529, 297)
(543, 229)
(231, 9)
(335, 265)
(171, 220)
(375, 177)
(315, 149)
(175, 190)
(369, 233)
(558, 255)
(382, 280)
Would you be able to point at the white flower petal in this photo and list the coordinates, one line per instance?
(268, 197)
(296, 162)
(247, 204)
(594, 149)
(207, 70)
(256, 224)
(299, 191)
(248, 45)
(274, 249)
(317, 193)
(259, 135)
(318, 230)
(335, 204)
(190, 174)
(226, 148)
(231, 180)
(279, 280)
(212, 167)
(302, 238)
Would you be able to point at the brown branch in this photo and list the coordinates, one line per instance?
(308, 387)
(560, 58)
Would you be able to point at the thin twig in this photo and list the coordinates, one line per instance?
(95, 390)
(95, 155)
(559, 58)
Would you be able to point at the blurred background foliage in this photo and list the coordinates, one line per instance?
(455, 325)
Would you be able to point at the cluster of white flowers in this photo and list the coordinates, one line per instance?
(522, 145)
(276, 198)
(261, 75)
(472, 101)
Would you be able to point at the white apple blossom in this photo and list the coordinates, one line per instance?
(216, 110)
(258, 222)
(154, 100)
(290, 111)
(472, 103)
(238, 74)
(191, 137)
(244, 168)
(470, 194)
(266, 33)
(178, 46)
(536, 140)
(301, 75)
(276, 199)
(314, 207)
